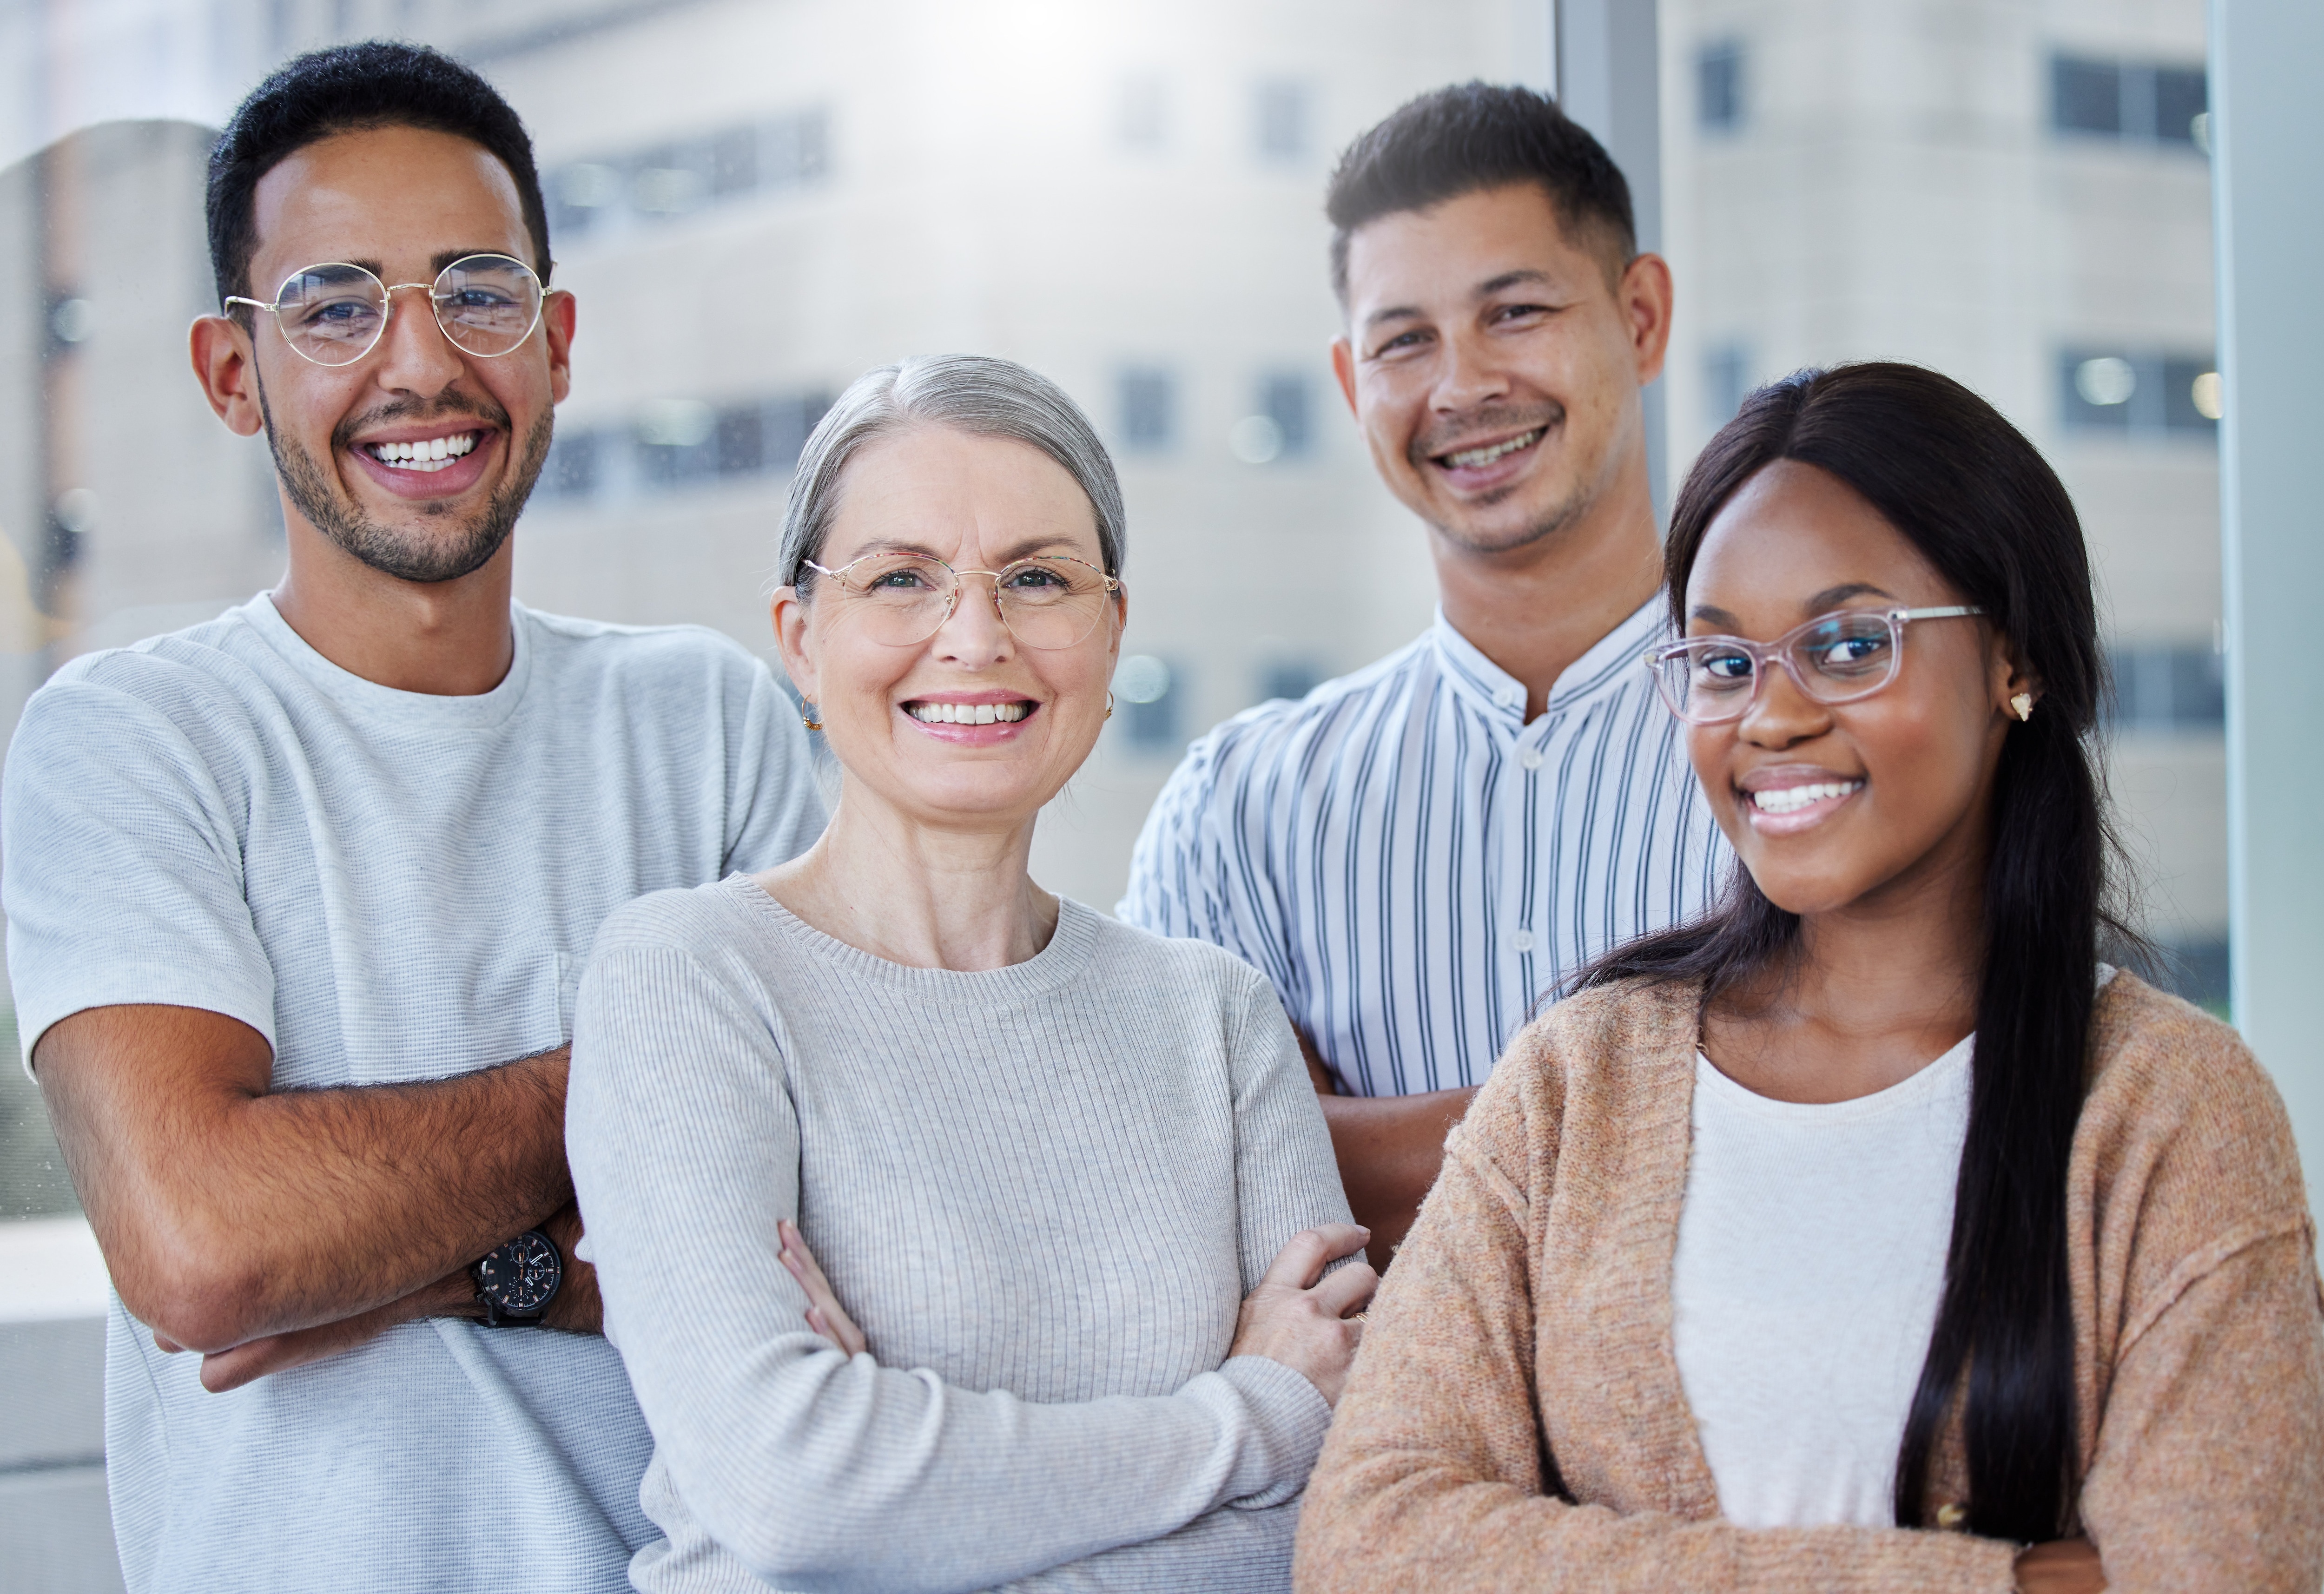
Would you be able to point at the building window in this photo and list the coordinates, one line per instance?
(738, 441)
(1141, 112)
(674, 179)
(2163, 688)
(2134, 393)
(1149, 693)
(1726, 382)
(1282, 109)
(678, 443)
(1284, 399)
(2130, 102)
(785, 424)
(1146, 402)
(571, 471)
(1291, 678)
(1718, 87)
(1279, 427)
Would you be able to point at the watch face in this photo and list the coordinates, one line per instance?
(522, 1275)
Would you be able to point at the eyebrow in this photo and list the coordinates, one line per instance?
(1521, 277)
(436, 262)
(1832, 596)
(898, 545)
(1828, 598)
(443, 258)
(1508, 280)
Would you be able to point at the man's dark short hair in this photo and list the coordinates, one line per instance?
(1472, 136)
(352, 89)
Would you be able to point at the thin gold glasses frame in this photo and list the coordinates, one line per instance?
(1109, 585)
(1780, 651)
(388, 290)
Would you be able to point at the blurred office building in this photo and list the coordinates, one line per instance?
(2017, 194)
(756, 200)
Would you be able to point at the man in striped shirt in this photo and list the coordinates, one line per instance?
(1418, 853)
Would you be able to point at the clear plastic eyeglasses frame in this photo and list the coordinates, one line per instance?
(334, 313)
(1047, 617)
(1820, 656)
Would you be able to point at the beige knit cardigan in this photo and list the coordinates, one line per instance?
(1529, 1313)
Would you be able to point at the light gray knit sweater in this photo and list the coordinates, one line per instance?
(1041, 1191)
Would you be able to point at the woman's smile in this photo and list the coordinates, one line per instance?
(1785, 800)
(972, 719)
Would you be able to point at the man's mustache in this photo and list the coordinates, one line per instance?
(1496, 420)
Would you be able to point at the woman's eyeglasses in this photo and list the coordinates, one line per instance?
(335, 314)
(1050, 602)
(1836, 658)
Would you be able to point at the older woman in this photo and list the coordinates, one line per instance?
(1045, 1159)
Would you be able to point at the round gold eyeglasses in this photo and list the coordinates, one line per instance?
(336, 313)
(1048, 602)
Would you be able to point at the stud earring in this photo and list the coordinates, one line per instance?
(2024, 705)
(1109, 704)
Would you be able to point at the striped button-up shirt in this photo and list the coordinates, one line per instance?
(1415, 866)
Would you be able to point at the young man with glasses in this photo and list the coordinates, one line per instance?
(298, 899)
(1416, 854)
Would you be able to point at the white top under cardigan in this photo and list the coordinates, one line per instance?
(1811, 1263)
(1042, 1191)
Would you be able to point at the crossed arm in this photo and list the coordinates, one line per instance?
(265, 1228)
(1388, 1148)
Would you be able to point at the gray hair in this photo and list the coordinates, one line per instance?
(972, 393)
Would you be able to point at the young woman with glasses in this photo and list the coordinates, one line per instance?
(1867, 1233)
(1066, 1321)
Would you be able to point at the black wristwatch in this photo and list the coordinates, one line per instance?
(516, 1282)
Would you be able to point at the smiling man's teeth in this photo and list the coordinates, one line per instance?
(433, 454)
(1470, 458)
(968, 713)
(1791, 799)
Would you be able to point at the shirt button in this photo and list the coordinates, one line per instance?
(1506, 697)
(1522, 940)
(1530, 758)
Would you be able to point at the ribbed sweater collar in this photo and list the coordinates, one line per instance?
(1064, 961)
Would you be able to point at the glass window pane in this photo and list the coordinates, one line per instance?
(2085, 96)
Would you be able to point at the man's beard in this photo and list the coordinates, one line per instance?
(1549, 415)
(385, 548)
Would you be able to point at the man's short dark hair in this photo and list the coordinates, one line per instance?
(1471, 136)
(350, 88)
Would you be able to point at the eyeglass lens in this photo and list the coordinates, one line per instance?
(1834, 659)
(1047, 602)
(486, 304)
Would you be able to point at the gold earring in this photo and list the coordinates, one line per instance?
(2023, 704)
(808, 719)
(1109, 703)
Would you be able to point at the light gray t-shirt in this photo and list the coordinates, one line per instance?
(1041, 1191)
(388, 886)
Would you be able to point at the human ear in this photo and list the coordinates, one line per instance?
(557, 318)
(2014, 686)
(790, 614)
(227, 366)
(1343, 366)
(1644, 297)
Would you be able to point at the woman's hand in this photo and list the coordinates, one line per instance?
(2064, 1566)
(825, 1314)
(1303, 1323)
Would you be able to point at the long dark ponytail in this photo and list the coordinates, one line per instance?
(1967, 489)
